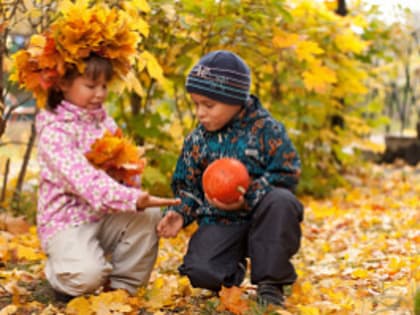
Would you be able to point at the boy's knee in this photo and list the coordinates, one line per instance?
(283, 200)
(201, 277)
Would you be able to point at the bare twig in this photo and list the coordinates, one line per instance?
(5, 178)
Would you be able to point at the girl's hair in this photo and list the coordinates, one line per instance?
(95, 67)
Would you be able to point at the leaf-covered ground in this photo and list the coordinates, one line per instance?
(359, 255)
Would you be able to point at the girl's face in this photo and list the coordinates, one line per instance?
(212, 114)
(85, 92)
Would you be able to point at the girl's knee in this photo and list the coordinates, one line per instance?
(155, 214)
(79, 280)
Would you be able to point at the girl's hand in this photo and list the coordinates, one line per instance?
(146, 200)
(237, 205)
(170, 224)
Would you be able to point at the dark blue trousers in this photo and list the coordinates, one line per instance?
(216, 253)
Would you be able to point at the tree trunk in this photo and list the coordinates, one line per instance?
(2, 52)
(22, 173)
(341, 8)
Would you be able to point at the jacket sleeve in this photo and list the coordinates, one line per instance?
(282, 166)
(186, 182)
(58, 150)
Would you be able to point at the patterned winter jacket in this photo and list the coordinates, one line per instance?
(71, 191)
(255, 138)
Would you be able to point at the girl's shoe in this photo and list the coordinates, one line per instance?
(62, 297)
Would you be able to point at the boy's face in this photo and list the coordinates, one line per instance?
(212, 114)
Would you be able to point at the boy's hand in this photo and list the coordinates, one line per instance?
(237, 205)
(170, 224)
(146, 200)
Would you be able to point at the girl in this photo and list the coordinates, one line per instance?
(93, 229)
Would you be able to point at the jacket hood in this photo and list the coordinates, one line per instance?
(67, 112)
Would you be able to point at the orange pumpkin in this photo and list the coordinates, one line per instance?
(226, 179)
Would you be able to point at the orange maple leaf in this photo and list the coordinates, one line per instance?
(231, 300)
(118, 156)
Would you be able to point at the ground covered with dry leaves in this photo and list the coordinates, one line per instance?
(359, 255)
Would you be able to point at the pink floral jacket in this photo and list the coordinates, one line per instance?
(71, 190)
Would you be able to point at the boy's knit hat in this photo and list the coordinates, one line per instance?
(221, 75)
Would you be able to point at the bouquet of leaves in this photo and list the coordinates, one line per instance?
(119, 157)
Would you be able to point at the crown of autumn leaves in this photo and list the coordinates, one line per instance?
(78, 31)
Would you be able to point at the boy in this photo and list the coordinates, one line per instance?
(264, 224)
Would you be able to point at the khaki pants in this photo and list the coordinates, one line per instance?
(121, 247)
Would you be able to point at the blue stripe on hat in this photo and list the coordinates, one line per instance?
(210, 84)
(206, 88)
(221, 74)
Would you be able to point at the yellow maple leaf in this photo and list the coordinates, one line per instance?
(282, 39)
(152, 65)
(29, 253)
(351, 78)
(36, 45)
(4, 250)
(141, 5)
(318, 77)
(163, 292)
(139, 24)
(308, 310)
(9, 310)
(395, 264)
(307, 50)
(360, 273)
(348, 41)
(331, 5)
(79, 305)
(132, 83)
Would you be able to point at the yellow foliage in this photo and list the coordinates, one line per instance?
(152, 66)
(360, 273)
(282, 39)
(115, 302)
(9, 310)
(358, 255)
(347, 41)
(331, 5)
(132, 83)
(308, 310)
(80, 305)
(319, 78)
(111, 303)
(164, 290)
(307, 50)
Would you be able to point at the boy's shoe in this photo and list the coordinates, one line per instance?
(270, 294)
(238, 277)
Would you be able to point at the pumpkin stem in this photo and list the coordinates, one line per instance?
(241, 189)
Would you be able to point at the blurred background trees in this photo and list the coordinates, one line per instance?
(336, 74)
